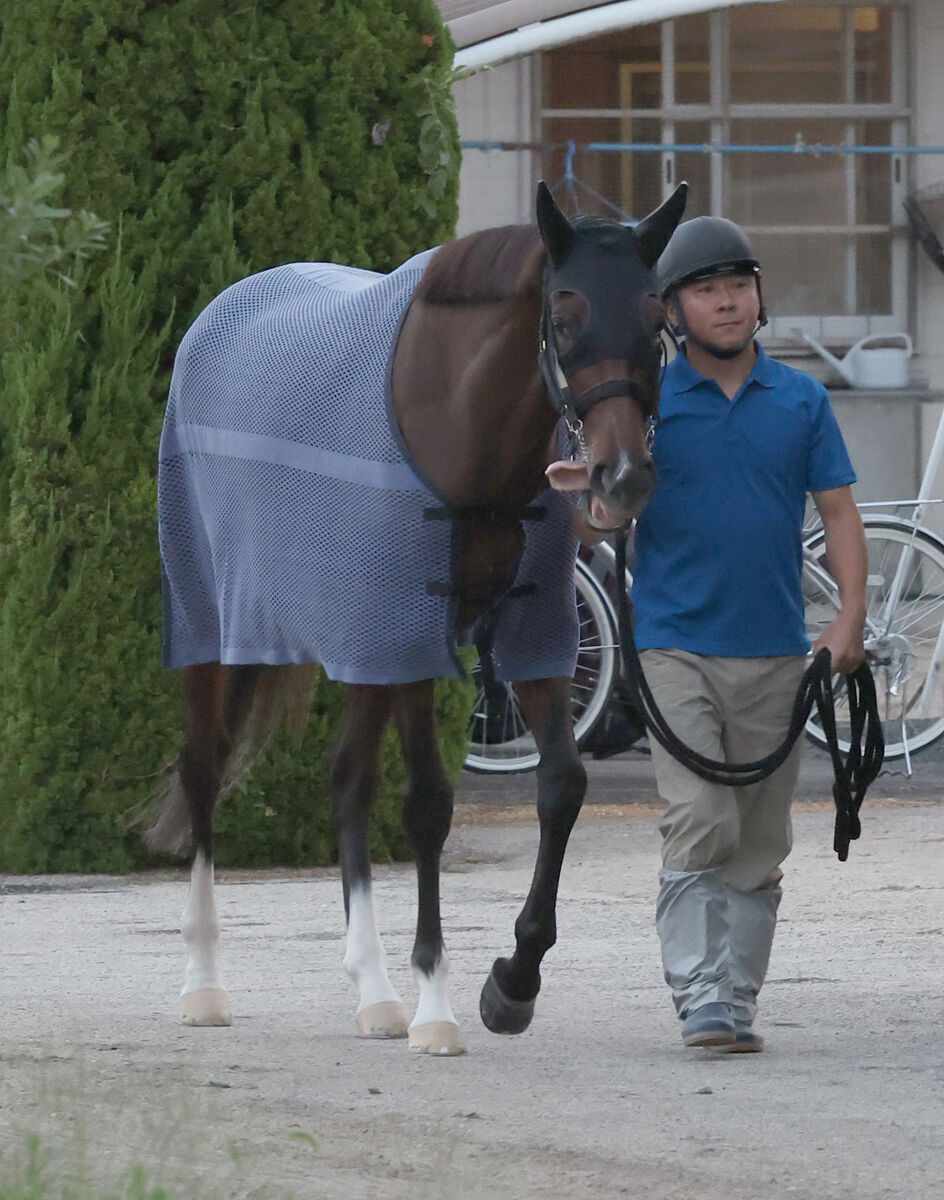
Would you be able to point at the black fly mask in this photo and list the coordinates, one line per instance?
(600, 300)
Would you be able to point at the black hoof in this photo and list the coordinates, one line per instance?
(501, 1015)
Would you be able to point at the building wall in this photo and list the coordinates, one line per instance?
(928, 55)
(495, 186)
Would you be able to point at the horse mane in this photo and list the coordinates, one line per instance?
(485, 267)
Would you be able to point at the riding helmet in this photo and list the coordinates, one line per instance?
(702, 247)
(705, 247)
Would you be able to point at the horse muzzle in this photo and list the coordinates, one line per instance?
(614, 493)
(623, 487)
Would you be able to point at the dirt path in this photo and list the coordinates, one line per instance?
(598, 1099)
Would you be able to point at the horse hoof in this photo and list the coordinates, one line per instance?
(437, 1037)
(501, 1015)
(205, 1006)
(384, 1020)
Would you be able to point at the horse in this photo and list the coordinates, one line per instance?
(269, 466)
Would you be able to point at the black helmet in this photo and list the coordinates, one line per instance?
(703, 247)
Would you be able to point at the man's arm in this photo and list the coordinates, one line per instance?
(848, 564)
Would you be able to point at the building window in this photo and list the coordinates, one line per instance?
(829, 227)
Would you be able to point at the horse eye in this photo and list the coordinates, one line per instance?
(565, 332)
(570, 316)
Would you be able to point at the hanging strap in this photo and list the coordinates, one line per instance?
(852, 777)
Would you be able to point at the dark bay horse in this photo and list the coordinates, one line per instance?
(255, 497)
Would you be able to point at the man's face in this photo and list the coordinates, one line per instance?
(720, 312)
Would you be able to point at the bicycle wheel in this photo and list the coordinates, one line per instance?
(499, 738)
(904, 630)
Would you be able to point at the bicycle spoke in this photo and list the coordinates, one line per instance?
(500, 740)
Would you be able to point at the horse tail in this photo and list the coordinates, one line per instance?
(238, 709)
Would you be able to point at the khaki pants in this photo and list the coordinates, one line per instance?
(735, 710)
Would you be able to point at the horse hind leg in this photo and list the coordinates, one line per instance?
(427, 816)
(218, 701)
(203, 998)
(354, 773)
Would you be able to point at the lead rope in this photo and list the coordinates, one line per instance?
(852, 777)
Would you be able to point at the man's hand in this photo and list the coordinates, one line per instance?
(593, 520)
(843, 640)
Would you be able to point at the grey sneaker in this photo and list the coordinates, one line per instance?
(710, 1025)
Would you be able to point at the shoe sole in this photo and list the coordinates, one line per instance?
(745, 1046)
(710, 1037)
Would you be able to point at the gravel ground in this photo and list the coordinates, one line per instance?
(597, 1099)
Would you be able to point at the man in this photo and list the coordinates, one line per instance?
(719, 616)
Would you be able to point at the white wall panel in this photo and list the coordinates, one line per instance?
(928, 94)
(495, 186)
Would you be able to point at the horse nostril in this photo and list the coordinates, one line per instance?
(624, 482)
(616, 478)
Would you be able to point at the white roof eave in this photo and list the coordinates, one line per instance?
(575, 26)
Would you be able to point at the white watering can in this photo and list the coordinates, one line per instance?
(867, 366)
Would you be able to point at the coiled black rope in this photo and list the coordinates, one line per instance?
(852, 777)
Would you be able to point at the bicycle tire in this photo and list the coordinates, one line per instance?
(900, 637)
(499, 739)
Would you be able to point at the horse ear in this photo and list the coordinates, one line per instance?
(556, 230)
(653, 232)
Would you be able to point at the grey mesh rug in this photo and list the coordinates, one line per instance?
(292, 528)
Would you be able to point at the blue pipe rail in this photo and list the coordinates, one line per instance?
(799, 147)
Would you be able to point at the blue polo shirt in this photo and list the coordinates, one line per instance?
(718, 548)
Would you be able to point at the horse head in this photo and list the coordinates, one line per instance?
(601, 350)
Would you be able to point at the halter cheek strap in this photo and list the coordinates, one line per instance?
(572, 408)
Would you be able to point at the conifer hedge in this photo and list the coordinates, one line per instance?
(217, 140)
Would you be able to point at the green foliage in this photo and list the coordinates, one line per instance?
(35, 236)
(215, 142)
(433, 87)
(176, 112)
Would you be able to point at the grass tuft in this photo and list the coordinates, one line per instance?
(28, 1177)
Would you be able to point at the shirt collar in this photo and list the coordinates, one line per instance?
(685, 377)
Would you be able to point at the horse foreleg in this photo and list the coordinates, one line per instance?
(427, 816)
(218, 699)
(507, 1001)
(380, 1012)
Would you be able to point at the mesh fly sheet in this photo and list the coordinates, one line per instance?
(292, 526)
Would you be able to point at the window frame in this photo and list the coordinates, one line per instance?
(719, 113)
